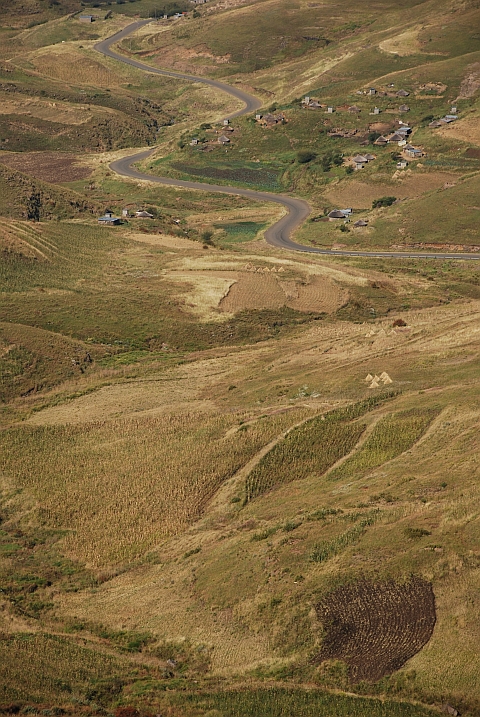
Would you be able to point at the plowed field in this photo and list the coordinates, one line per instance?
(376, 627)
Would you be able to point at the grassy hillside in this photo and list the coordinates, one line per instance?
(238, 481)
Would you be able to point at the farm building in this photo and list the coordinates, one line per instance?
(412, 151)
(336, 214)
(108, 219)
(360, 160)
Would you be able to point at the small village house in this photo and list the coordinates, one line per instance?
(86, 18)
(223, 139)
(336, 214)
(376, 111)
(404, 108)
(361, 223)
(402, 93)
(330, 110)
(403, 164)
(125, 212)
(108, 219)
(372, 91)
(381, 141)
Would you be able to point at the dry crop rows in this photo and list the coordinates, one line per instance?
(376, 627)
(149, 477)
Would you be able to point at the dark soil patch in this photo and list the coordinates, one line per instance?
(472, 153)
(376, 627)
(53, 167)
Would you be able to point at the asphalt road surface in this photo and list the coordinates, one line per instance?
(297, 209)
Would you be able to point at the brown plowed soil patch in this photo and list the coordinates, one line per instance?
(319, 295)
(53, 167)
(376, 627)
(263, 291)
(253, 291)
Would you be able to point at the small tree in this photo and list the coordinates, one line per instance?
(207, 237)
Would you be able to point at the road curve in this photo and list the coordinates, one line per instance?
(278, 234)
(250, 102)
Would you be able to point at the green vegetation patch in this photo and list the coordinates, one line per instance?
(309, 449)
(278, 702)
(38, 667)
(240, 231)
(239, 173)
(393, 435)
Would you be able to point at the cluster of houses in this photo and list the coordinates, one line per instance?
(448, 119)
(360, 160)
(109, 219)
(223, 139)
(400, 137)
(313, 104)
(270, 120)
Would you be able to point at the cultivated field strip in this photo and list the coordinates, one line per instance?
(310, 449)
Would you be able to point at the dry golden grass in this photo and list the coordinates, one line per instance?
(71, 65)
(466, 129)
(52, 111)
(120, 488)
(203, 292)
(406, 43)
(360, 195)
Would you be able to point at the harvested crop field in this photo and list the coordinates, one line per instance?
(53, 167)
(76, 68)
(264, 291)
(376, 627)
(319, 295)
(253, 291)
(360, 195)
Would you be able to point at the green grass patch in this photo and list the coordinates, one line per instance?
(280, 702)
(393, 435)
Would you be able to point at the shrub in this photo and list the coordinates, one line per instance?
(383, 202)
(416, 533)
(304, 156)
(207, 236)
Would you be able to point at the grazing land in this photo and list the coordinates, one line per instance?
(238, 480)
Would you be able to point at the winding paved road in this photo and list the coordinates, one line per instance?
(278, 234)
